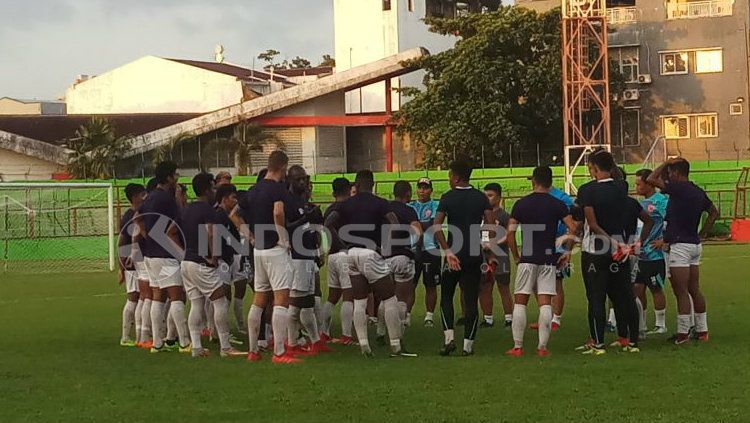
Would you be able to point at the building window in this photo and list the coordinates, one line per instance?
(676, 127)
(386, 4)
(674, 63)
(709, 61)
(626, 59)
(440, 9)
(630, 131)
(708, 125)
(410, 5)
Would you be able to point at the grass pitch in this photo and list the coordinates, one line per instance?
(60, 361)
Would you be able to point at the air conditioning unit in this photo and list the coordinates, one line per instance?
(644, 79)
(630, 95)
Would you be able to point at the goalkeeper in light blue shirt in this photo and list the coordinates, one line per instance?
(429, 262)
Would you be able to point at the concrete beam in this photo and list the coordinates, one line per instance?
(34, 148)
(389, 67)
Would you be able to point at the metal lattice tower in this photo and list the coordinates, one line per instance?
(586, 119)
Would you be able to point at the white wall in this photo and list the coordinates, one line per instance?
(154, 85)
(19, 167)
(364, 33)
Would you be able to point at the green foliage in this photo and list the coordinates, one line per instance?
(245, 139)
(328, 61)
(166, 151)
(96, 148)
(299, 63)
(499, 86)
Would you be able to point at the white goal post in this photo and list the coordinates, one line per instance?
(57, 227)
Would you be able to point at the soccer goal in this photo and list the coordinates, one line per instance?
(57, 227)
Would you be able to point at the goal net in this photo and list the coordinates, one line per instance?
(56, 227)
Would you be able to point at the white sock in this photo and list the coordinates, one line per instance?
(468, 345)
(146, 320)
(293, 325)
(254, 317)
(128, 318)
(701, 322)
(519, 324)
(429, 315)
(545, 319)
(269, 331)
(157, 309)
(557, 318)
(359, 318)
(325, 317)
(310, 323)
(393, 322)
(279, 321)
(408, 319)
(210, 324)
(318, 311)
(403, 312)
(347, 314)
(165, 320)
(449, 335)
(177, 313)
(239, 314)
(138, 317)
(683, 324)
(661, 318)
(381, 330)
(509, 317)
(489, 318)
(641, 315)
(195, 321)
(612, 318)
(171, 327)
(221, 317)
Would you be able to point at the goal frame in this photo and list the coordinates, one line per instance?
(110, 205)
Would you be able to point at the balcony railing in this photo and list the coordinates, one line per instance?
(621, 15)
(699, 9)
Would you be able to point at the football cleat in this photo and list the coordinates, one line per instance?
(486, 325)
(632, 348)
(448, 349)
(681, 338)
(285, 358)
(200, 352)
(508, 324)
(325, 338)
(402, 352)
(620, 343)
(514, 352)
(542, 352)
(429, 323)
(555, 326)
(157, 350)
(128, 343)
(187, 349)
(254, 356)
(147, 345)
(657, 330)
(587, 345)
(344, 340)
(298, 350)
(701, 336)
(320, 347)
(465, 353)
(230, 352)
(234, 340)
(594, 350)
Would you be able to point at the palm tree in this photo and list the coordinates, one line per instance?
(96, 150)
(167, 151)
(246, 139)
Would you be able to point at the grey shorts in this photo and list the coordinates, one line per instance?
(369, 264)
(338, 271)
(402, 267)
(273, 269)
(536, 279)
(200, 280)
(163, 272)
(303, 280)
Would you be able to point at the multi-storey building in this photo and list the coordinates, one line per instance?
(686, 66)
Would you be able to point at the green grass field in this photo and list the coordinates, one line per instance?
(61, 362)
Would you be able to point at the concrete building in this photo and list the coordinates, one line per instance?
(686, 65)
(14, 106)
(158, 85)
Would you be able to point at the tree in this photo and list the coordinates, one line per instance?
(328, 61)
(499, 86)
(299, 63)
(269, 56)
(166, 151)
(246, 139)
(96, 149)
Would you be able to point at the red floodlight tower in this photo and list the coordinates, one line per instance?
(585, 82)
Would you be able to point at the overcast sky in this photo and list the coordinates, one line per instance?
(44, 44)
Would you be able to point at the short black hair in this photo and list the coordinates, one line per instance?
(341, 187)
(164, 170)
(365, 180)
(462, 169)
(681, 166)
(542, 175)
(262, 174)
(603, 160)
(401, 189)
(151, 185)
(277, 160)
(225, 191)
(131, 190)
(494, 186)
(643, 173)
(202, 182)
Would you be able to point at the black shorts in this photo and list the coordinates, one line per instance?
(429, 268)
(652, 273)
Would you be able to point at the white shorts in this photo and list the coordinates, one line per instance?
(225, 272)
(273, 269)
(163, 272)
(536, 279)
(131, 281)
(685, 255)
(140, 268)
(402, 267)
(303, 281)
(200, 280)
(338, 271)
(368, 263)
